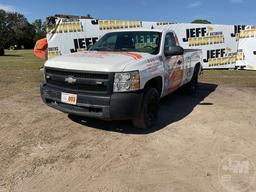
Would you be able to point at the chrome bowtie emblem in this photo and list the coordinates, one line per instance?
(70, 80)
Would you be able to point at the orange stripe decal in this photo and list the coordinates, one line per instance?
(135, 56)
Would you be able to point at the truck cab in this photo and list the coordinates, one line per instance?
(122, 76)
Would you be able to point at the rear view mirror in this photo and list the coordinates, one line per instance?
(172, 51)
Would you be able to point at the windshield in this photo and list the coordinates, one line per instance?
(132, 41)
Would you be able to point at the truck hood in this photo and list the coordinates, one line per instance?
(97, 61)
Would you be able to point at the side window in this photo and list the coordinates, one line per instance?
(170, 40)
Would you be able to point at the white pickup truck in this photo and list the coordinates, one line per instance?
(122, 76)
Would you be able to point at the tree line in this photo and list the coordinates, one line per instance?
(16, 32)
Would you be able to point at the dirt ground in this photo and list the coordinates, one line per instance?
(44, 150)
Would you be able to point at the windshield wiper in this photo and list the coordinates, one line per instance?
(101, 49)
(125, 49)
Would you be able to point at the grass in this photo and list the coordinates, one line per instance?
(20, 59)
(20, 72)
(237, 78)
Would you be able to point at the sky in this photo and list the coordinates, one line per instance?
(181, 11)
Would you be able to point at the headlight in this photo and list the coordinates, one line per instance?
(128, 81)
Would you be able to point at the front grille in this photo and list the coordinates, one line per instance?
(78, 74)
(78, 87)
(89, 82)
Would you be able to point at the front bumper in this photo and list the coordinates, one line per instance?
(117, 106)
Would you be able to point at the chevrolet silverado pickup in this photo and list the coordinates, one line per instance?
(122, 76)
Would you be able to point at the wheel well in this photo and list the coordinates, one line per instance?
(155, 83)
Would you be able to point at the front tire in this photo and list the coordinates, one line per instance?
(149, 109)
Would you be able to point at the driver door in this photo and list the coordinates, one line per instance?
(173, 65)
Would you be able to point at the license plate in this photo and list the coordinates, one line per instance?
(69, 98)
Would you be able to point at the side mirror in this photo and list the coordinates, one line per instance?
(172, 51)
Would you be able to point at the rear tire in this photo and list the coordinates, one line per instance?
(191, 87)
(149, 109)
(1, 52)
